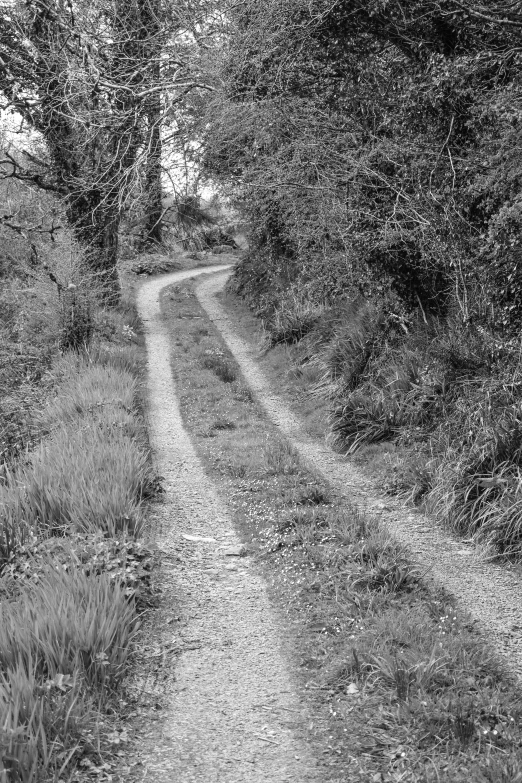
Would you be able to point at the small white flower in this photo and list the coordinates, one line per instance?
(128, 332)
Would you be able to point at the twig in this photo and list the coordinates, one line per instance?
(260, 736)
(422, 308)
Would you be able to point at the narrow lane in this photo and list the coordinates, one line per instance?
(232, 715)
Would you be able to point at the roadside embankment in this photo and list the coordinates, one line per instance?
(74, 572)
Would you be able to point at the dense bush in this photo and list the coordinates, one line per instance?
(371, 147)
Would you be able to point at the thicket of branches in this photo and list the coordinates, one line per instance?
(374, 145)
(100, 83)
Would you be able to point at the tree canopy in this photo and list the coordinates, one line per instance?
(373, 145)
(99, 82)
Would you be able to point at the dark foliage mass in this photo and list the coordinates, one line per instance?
(375, 143)
(373, 146)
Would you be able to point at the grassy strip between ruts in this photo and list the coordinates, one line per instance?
(73, 571)
(401, 686)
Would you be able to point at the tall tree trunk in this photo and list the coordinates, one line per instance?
(95, 222)
(152, 230)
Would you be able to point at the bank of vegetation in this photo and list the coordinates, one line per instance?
(374, 149)
(74, 475)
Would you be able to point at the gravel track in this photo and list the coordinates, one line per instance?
(489, 593)
(232, 715)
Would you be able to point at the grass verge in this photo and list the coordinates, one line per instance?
(74, 574)
(401, 686)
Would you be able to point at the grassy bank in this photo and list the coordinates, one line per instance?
(400, 686)
(75, 473)
(430, 405)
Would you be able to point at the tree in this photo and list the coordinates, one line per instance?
(72, 73)
(96, 80)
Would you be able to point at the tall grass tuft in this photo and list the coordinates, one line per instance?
(294, 317)
(43, 726)
(104, 394)
(91, 479)
(64, 635)
(222, 368)
(67, 622)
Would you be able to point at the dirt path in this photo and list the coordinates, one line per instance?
(490, 593)
(232, 715)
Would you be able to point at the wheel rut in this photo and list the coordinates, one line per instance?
(232, 714)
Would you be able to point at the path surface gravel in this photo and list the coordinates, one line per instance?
(490, 593)
(232, 714)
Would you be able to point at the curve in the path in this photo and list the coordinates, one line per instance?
(489, 593)
(232, 715)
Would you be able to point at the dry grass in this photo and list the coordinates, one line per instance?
(401, 686)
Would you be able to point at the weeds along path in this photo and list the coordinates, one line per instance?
(490, 593)
(231, 714)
